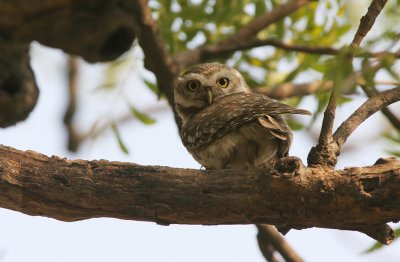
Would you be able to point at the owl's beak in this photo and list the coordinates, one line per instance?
(209, 94)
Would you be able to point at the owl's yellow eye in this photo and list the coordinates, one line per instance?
(192, 85)
(223, 82)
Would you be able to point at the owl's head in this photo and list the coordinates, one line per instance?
(202, 84)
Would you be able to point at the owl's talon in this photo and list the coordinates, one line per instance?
(289, 166)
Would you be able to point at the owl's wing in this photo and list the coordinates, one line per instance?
(232, 111)
(278, 127)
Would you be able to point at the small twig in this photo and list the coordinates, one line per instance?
(74, 138)
(367, 109)
(269, 237)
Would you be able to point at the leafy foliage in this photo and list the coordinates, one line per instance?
(142, 117)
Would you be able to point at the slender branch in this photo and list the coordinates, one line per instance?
(287, 90)
(269, 236)
(371, 91)
(243, 39)
(319, 50)
(325, 136)
(367, 109)
(368, 21)
(352, 199)
(222, 50)
(74, 139)
(250, 30)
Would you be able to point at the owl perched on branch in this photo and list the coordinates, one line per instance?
(224, 125)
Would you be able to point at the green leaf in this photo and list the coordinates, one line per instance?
(153, 87)
(387, 63)
(395, 153)
(374, 247)
(368, 72)
(121, 144)
(295, 125)
(394, 137)
(142, 117)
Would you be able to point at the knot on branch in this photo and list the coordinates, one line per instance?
(324, 155)
(385, 160)
(382, 233)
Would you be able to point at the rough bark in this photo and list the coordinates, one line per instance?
(97, 30)
(359, 198)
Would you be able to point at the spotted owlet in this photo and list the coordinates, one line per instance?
(225, 125)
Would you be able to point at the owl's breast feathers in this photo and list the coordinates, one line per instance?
(232, 111)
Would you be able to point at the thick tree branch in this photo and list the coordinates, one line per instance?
(104, 28)
(357, 198)
(97, 30)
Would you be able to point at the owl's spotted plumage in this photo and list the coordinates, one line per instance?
(224, 125)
